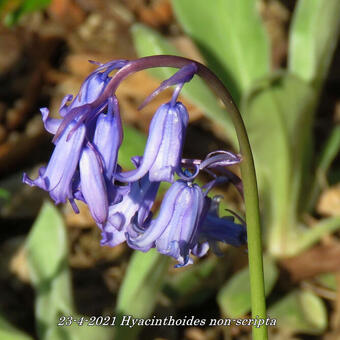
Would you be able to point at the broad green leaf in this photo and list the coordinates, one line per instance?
(234, 296)
(47, 261)
(47, 245)
(313, 37)
(139, 291)
(230, 36)
(278, 115)
(300, 311)
(8, 332)
(150, 42)
(48, 268)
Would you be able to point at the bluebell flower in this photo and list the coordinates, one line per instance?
(57, 177)
(214, 229)
(75, 170)
(135, 207)
(92, 87)
(92, 184)
(163, 150)
(108, 137)
(174, 231)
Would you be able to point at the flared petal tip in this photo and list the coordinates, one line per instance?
(27, 180)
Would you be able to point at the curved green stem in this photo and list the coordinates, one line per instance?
(247, 170)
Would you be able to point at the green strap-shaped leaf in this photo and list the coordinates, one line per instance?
(300, 311)
(234, 296)
(47, 262)
(8, 332)
(150, 42)
(48, 268)
(231, 37)
(139, 291)
(313, 37)
(278, 118)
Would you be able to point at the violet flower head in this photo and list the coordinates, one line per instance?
(84, 167)
(173, 232)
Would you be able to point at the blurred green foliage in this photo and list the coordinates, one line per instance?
(12, 10)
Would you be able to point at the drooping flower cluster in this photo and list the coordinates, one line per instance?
(84, 167)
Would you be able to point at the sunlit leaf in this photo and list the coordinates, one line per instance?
(278, 114)
(313, 37)
(230, 36)
(300, 311)
(139, 291)
(49, 271)
(234, 296)
(48, 268)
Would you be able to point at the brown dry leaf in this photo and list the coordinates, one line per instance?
(86, 250)
(185, 45)
(18, 265)
(275, 17)
(82, 220)
(113, 277)
(67, 12)
(156, 14)
(329, 202)
(10, 49)
(317, 260)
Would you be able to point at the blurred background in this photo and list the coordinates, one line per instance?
(280, 62)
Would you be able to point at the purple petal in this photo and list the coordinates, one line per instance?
(51, 124)
(58, 175)
(146, 240)
(170, 152)
(151, 149)
(108, 136)
(220, 158)
(182, 76)
(112, 237)
(163, 151)
(92, 184)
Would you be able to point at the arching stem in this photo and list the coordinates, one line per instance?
(247, 169)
